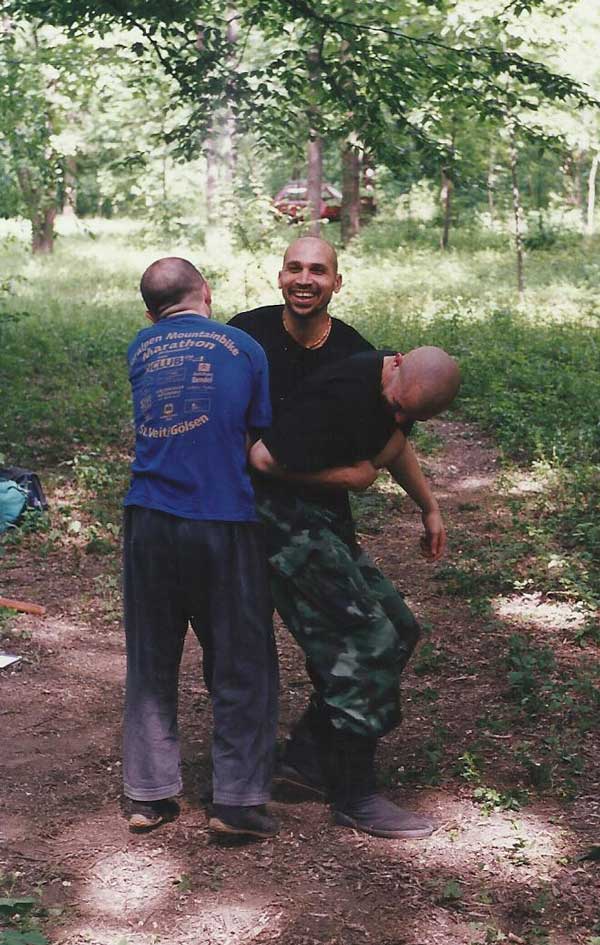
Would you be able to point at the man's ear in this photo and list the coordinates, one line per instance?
(337, 285)
(207, 297)
(398, 359)
(151, 318)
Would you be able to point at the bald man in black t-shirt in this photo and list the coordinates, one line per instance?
(352, 418)
(353, 625)
(341, 426)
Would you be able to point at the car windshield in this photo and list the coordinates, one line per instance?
(294, 192)
(299, 192)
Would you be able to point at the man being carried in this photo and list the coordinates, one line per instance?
(343, 424)
(326, 589)
(193, 546)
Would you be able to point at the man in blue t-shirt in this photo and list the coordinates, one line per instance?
(193, 546)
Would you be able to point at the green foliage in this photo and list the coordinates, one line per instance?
(20, 916)
(426, 441)
(468, 767)
(374, 508)
(490, 799)
(7, 614)
(11, 904)
(16, 937)
(529, 670)
(430, 659)
(428, 766)
(567, 701)
(539, 549)
(451, 892)
(519, 371)
(166, 222)
(44, 82)
(438, 63)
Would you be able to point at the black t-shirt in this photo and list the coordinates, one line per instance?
(289, 363)
(289, 366)
(336, 418)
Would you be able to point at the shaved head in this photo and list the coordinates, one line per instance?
(420, 384)
(432, 376)
(313, 244)
(168, 282)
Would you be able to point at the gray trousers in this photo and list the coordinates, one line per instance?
(216, 571)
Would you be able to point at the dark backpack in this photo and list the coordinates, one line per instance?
(30, 483)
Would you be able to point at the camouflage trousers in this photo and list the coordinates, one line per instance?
(352, 624)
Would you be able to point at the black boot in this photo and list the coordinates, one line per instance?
(145, 815)
(254, 821)
(306, 752)
(356, 802)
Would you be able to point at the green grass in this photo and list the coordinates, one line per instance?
(531, 370)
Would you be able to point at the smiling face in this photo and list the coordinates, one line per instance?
(309, 277)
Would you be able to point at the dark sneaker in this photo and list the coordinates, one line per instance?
(379, 817)
(290, 775)
(145, 815)
(254, 821)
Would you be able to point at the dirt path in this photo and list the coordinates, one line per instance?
(488, 875)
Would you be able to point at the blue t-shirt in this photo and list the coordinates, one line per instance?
(198, 388)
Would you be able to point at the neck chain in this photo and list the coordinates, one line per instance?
(318, 341)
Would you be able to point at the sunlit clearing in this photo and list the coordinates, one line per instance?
(513, 846)
(522, 484)
(137, 922)
(223, 924)
(545, 614)
(434, 926)
(472, 483)
(131, 882)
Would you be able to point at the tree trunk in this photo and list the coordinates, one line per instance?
(70, 199)
(233, 30)
(446, 196)
(230, 147)
(491, 184)
(368, 174)
(163, 174)
(591, 195)
(517, 210)
(42, 231)
(350, 161)
(350, 212)
(210, 189)
(314, 184)
(447, 191)
(314, 181)
(41, 210)
(577, 179)
(572, 171)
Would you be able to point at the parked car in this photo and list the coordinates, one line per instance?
(292, 200)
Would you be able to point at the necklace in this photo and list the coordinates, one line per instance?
(319, 341)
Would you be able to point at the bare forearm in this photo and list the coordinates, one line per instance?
(406, 471)
(356, 478)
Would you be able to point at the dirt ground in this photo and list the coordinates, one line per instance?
(487, 875)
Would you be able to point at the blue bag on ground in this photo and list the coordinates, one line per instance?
(30, 482)
(13, 500)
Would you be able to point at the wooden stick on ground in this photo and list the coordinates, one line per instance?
(23, 606)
